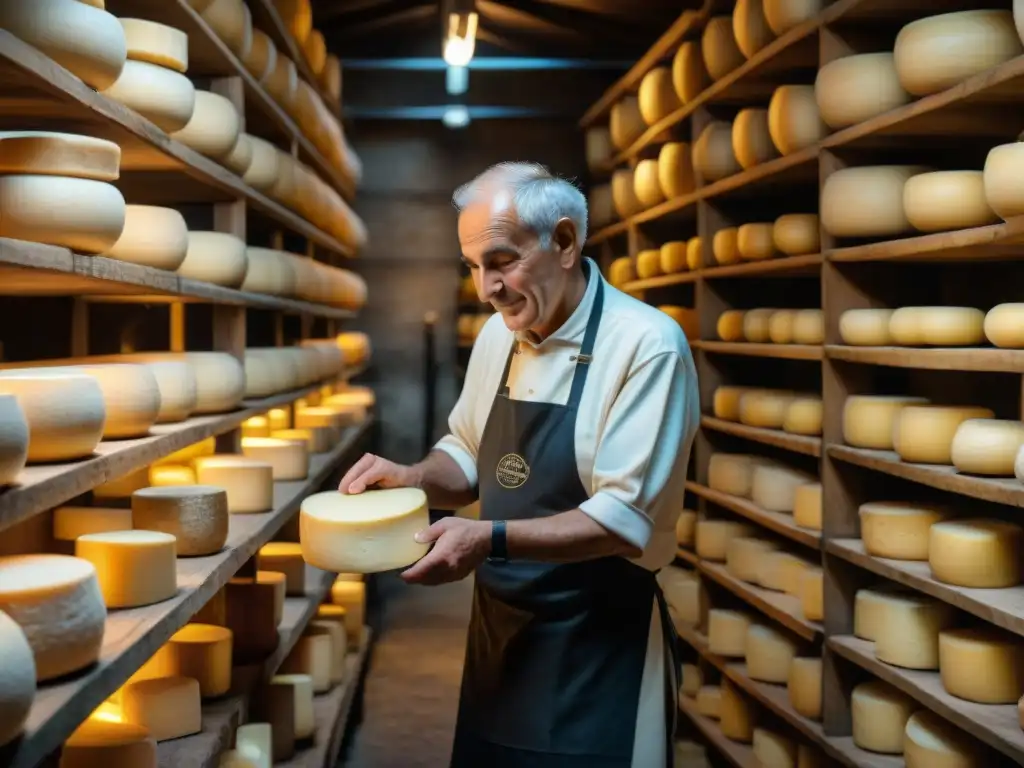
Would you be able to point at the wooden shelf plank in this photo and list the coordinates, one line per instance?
(781, 607)
(942, 359)
(788, 266)
(133, 635)
(687, 557)
(994, 724)
(740, 755)
(31, 80)
(1002, 607)
(36, 269)
(778, 522)
(809, 446)
(662, 281)
(996, 242)
(778, 351)
(1008, 491)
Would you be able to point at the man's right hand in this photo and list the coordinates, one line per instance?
(372, 470)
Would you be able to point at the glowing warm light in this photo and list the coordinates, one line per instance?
(461, 39)
(108, 712)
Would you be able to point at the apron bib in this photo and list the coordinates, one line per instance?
(555, 652)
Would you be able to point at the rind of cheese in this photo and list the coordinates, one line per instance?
(783, 15)
(689, 76)
(171, 474)
(265, 166)
(199, 651)
(764, 408)
(730, 325)
(868, 420)
(724, 246)
(339, 645)
(301, 687)
(769, 653)
(1004, 326)
(809, 326)
(289, 459)
(317, 439)
(249, 483)
(625, 122)
(196, 515)
(929, 741)
(646, 184)
(868, 609)
(736, 714)
(99, 741)
(937, 326)
(866, 201)
(162, 96)
(312, 655)
(713, 537)
(923, 434)
(156, 43)
(749, 27)
(363, 533)
(709, 701)
(694, 253)
(713, 156)
(71, 522)
(215, 257)
(987, 446)
(623, 193)
(756, 241)
(240, 157)
(751, 142)
(978, 553)
(71, 431)
(781, 571)
(59, 154)
(598, 144)
(780, 326)
(755, 325)
(685, 595)
(856, 88)
(793, 119)
(727, 632)
(285, 557)
(880, 713)
(14, 439)
(692, 678)
(657, 98)
(773, 749)
(672, 257)
(898, 530)
(982, 664)
(648, 263)
(232, 21)
(796, 234)
(773, 487)
(733, 473)
(726, 402)
(719, 48)
(908, 634)
(807, 506)
(17, 679)
(134, 568)
(945, 200)
(866, 327)
(744, 554)
(686, 528)
(812, 593)
(167, 707)
(152, 236)
(804, 416)
(214, 127)
(675, 169)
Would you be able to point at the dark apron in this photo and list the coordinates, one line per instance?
(556, 652)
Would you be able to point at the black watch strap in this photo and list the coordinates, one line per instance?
(499, 542)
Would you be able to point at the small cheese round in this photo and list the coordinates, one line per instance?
(57, 434)
(782, 572)
(879, 713)
(749, 26)
(134, 568)
(312, 655)
(809, 326)
(982, 664)
(232, 21)
(646, 184)
(152, 236)
(733, 473)
(675, 169)
(709, 701)
(774, 487)
(727, 632)
(692, 678)
(755, 325)
(289, 459)
(793, 119)
(856, 88)
(672, 257)
(804, 686)
(744, 555)
(898, 530)
(684, 594)
(868, 609)
(908, 634)
(686, 528)
(626, 124)
(987, 446)
(736, 714)
(764, 408)
(868, 420)
(937, 52)
(977, 553)
(163, 96)
(713, 156)
(804, 416)
(713, 537)
(756, 242)
(937, 326)
(215, 257)
(944, 200)
(725, 246)
(769, 653)
(167, 707)
(1004, 326)
(796, 234)
(621, 271)
(249, 483)
(202, 652)
(773, 750)
(240, 157)
(214, 127)
(783, 15)
(730, 325)
(196, 515)
(807, 506)
(98, 741)
(694, 253)
(657, 98)
(865, 327)
(598, 143)
(624, 193)
(812, 593)
(648, 264)
(929, 741)
(751, 141)
(71, 522)
(351, 595)
(726, 402)
(689, 76)
(59, 154)
(285, 557)
(866, 201)
(923, 434)
(719, 48)
(156, 43)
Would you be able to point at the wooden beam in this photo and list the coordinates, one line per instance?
(345, 7)
(507, 17)
(595, 27)
(417, 13)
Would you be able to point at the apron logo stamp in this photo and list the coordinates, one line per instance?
(512, 470)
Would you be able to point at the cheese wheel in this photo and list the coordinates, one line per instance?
(694, 253)
(866, 201)
(298, 701)
(908, 633)
(265, 166)
(99, 741)
(755, 325)
(199, 651)
(152, 236)
(56, 601)
(351, 595)
(317, 439)
(692, 678)
(796, 234)
(713, 156)
(240, 157)
(719, 49)
(70, 431)
(1003, 326)
(937, 326)
(80, 214)
(71, 522)
(856, 88)
(923, 434)
(769, 653)
(87, 41)
(59, 154)
(624, 194)
(944, 200)
(726, 402)
(727, 632)
(865, 327)
(898, 530)
(214, 127)
(313, 656)
(774, 487)
(675, 169)
(646, 184)
(733, 473)
(807, 506)
(189, 453)
(709, 701)
(336, 615)
(254, 741)
(929, 741)
(781, 572)
(657, 98)
(232, 22)
(689, 76)
(751, 141)
(289, 459)
(134, 568)
(749, 27)
(248, 483)
(196, 515)
(13, 439)
(755, 241)
(937, 52)
(982, 664)
(156, 43)
(285, 557)
(367, 532)
(621, 271)
(783, 15)
(987, 446)
(269, 271)
(283, 84)
(736, 714)
(744, 555)
(315, 49)
(335, 632)
(977, 553)
(167, 707)
(1002, 171)
(598, 144)
(809, 326)
(725, 247)
(713, 537)
(868, 610)
(17, 680)
(804, 416)
(812, 593)
(764, 408)
(793, 119)
(879, 713)
(672, 257)
(868, 420)
(262, 56)
(626, 124)
(773, 750)
(215, 257)
(730, 325)
(165, 97)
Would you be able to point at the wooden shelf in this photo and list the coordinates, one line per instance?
(687, 557)
(133, 635)
(778, 351)
(662, 281)
(999, 490)
(740, 755)
(39, 92)
(809, 446)
(788, 266)
(778, 522)
(995, 724)
(938, 359)
(996, 242)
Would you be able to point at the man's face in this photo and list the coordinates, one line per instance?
(521, 280)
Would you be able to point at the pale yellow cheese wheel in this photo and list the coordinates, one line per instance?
(978, 553)
(1004, 326)
(693, 678)
(713, 537)
(59, 154)
(807, 506)
(156, 43)
(987, 446)
(937, 326)
(869, 609)
(773, 749)
(675, 169)
(215, 257)
(709, 701)
(868, 420)
(769, 651)
(783, 15)
(265, 165)
(796, 234)
(944, 200)
(673, 257)
(812, 591)
(598, 143)
(214, 127)
(809, 326)
(713, 156)
(898, 530)
(726, 402)
(982, 664)
(262, 57)
(730, 325)
(725, 247)
(856, 88)
(865, 327)
(733, 473)
(743, 556)
(647, 184)
(624, 194)
(621, 271)
(867, 201)
(161, 95)
(694, 253)
(626, 123)
(736, 714)
(793, 119)
(804, 416)
(240, 157)
(686, 528)
(750, 27)
(780, 326)
(648, 264)
(937, 52)
(657, 97)
(751, 141)
(923, 434)
(316, 52)
(1004, 165)
(755, 325)
(929, 741)
(804, 686)
(19, 681)
(764, 408)
(719, 48)
(879, 713)
(232, 21)
(756, 242)
(727, 632)
(152, 236)
(908, 634)
(689, 75)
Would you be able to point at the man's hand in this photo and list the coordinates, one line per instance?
(460, 545)
(373, 470)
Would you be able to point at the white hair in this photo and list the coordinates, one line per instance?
(540, 198)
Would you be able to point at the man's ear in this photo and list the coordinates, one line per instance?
(564, 241)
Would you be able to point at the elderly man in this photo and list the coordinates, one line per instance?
(574, 431)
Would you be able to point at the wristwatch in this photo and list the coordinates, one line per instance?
(499, 543)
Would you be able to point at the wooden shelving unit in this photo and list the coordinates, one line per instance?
(979, 267)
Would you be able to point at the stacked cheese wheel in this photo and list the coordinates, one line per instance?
(355, 347)
(915, 327)
(794, 412)
(771, 485)
(685, 594)
(778, 326)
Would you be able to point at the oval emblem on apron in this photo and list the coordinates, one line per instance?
(512, 470)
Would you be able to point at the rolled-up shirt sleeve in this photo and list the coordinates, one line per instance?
(644, 447)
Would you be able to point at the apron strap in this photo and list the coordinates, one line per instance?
(503, 381)
(672, 672)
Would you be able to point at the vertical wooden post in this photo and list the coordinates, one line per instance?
(177, 341)
(79, 327)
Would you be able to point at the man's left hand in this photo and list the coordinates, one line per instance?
(460, 545)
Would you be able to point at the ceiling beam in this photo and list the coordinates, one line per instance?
(345, 7)
(511, 18)
(581, 21)
(341, 28)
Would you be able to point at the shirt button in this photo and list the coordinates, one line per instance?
(531, 391)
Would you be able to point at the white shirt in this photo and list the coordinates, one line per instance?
(637, 418)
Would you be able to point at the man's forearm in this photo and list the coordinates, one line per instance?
(568, 537)
(443, 481)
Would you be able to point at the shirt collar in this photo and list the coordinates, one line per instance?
(573, 328)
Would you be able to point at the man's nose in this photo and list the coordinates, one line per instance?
(488, 284)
